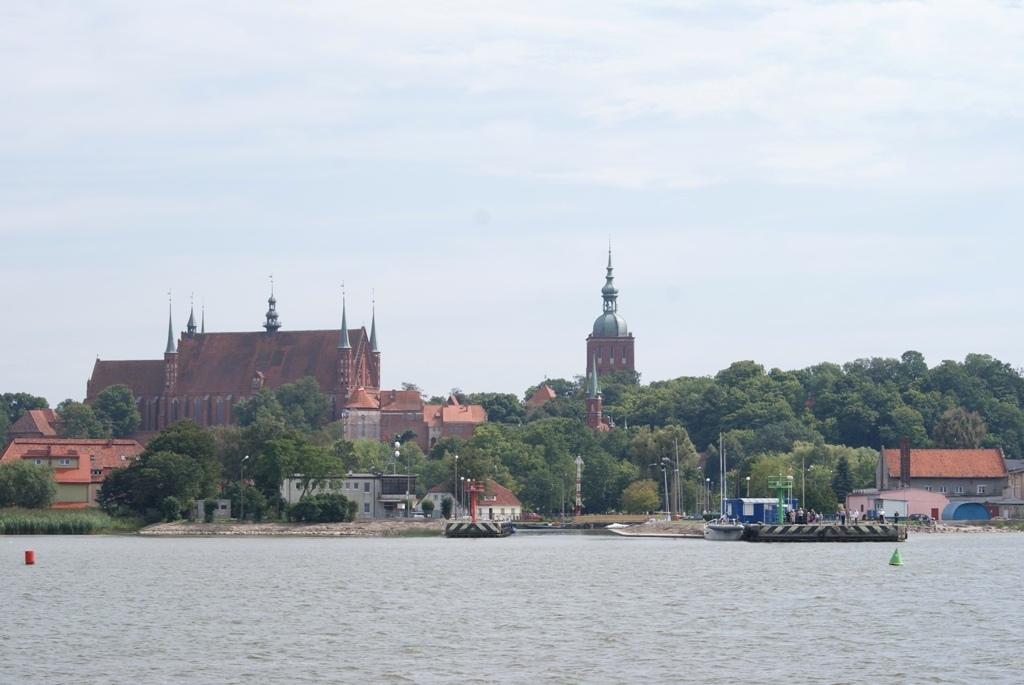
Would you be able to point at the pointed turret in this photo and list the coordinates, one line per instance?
(190, 327)
(343, 343)
(373, 329)
(171, 347)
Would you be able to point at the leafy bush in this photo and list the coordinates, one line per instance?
(323, 508)
(26, 485)
(170, 509)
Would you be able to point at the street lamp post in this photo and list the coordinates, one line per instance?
(398, 455)
(748, 487)
(803, 481)
(241, 489)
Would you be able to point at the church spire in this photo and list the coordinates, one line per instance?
(272, 324)
(373, 328)
(190, 328)
(171, 347)
(343, 343)
(609, 292)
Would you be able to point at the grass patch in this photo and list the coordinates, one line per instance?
(63, 522)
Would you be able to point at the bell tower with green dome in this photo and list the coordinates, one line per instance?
(610, 344)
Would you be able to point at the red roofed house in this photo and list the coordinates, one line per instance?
(966, 476)
(79, 465)
(497, 503)
(202, 376)
(34, 423)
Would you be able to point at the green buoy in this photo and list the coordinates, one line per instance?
(895, 559)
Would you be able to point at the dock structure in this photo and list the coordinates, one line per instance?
(825, 532)
(478, 529)
(474, 528)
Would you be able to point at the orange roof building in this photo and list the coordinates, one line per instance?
(952, 472)
(79, 465)
(34, 423)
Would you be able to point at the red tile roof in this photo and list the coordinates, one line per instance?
(948, 463)
(145, 377)
(104, 455)
(503, 497)
(463, 413)
(360, 399)
(540, 396)
(401, 400)
(225, 363)
(35, 422)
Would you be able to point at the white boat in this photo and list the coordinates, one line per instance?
(722, 529)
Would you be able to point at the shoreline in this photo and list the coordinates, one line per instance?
(352, 529)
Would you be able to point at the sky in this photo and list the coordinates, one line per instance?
(785, 181)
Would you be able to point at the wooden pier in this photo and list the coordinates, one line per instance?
(825, 532)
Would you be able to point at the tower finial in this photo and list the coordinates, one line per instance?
(171, 347)
(343, 343)
(272, 324)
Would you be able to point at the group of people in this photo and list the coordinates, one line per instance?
(802, 515)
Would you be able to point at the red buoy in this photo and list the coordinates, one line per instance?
(30, 557)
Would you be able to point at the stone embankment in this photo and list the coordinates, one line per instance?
(355, 529)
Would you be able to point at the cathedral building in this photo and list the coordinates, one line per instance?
(610, 344)
(202, 376)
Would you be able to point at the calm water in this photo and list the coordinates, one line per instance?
(540, 608)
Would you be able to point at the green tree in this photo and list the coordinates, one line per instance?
(188, 439)
(501, 407)
(304, 407)
(842, 479)
(23, 484)
(77, 420)
(115, 407)
(14, 404)
(640, 497)
(959, 428)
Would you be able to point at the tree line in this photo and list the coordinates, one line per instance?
(822, 425)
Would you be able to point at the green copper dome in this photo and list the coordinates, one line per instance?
(610, 325)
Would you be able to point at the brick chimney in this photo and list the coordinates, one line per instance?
(904, 463)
